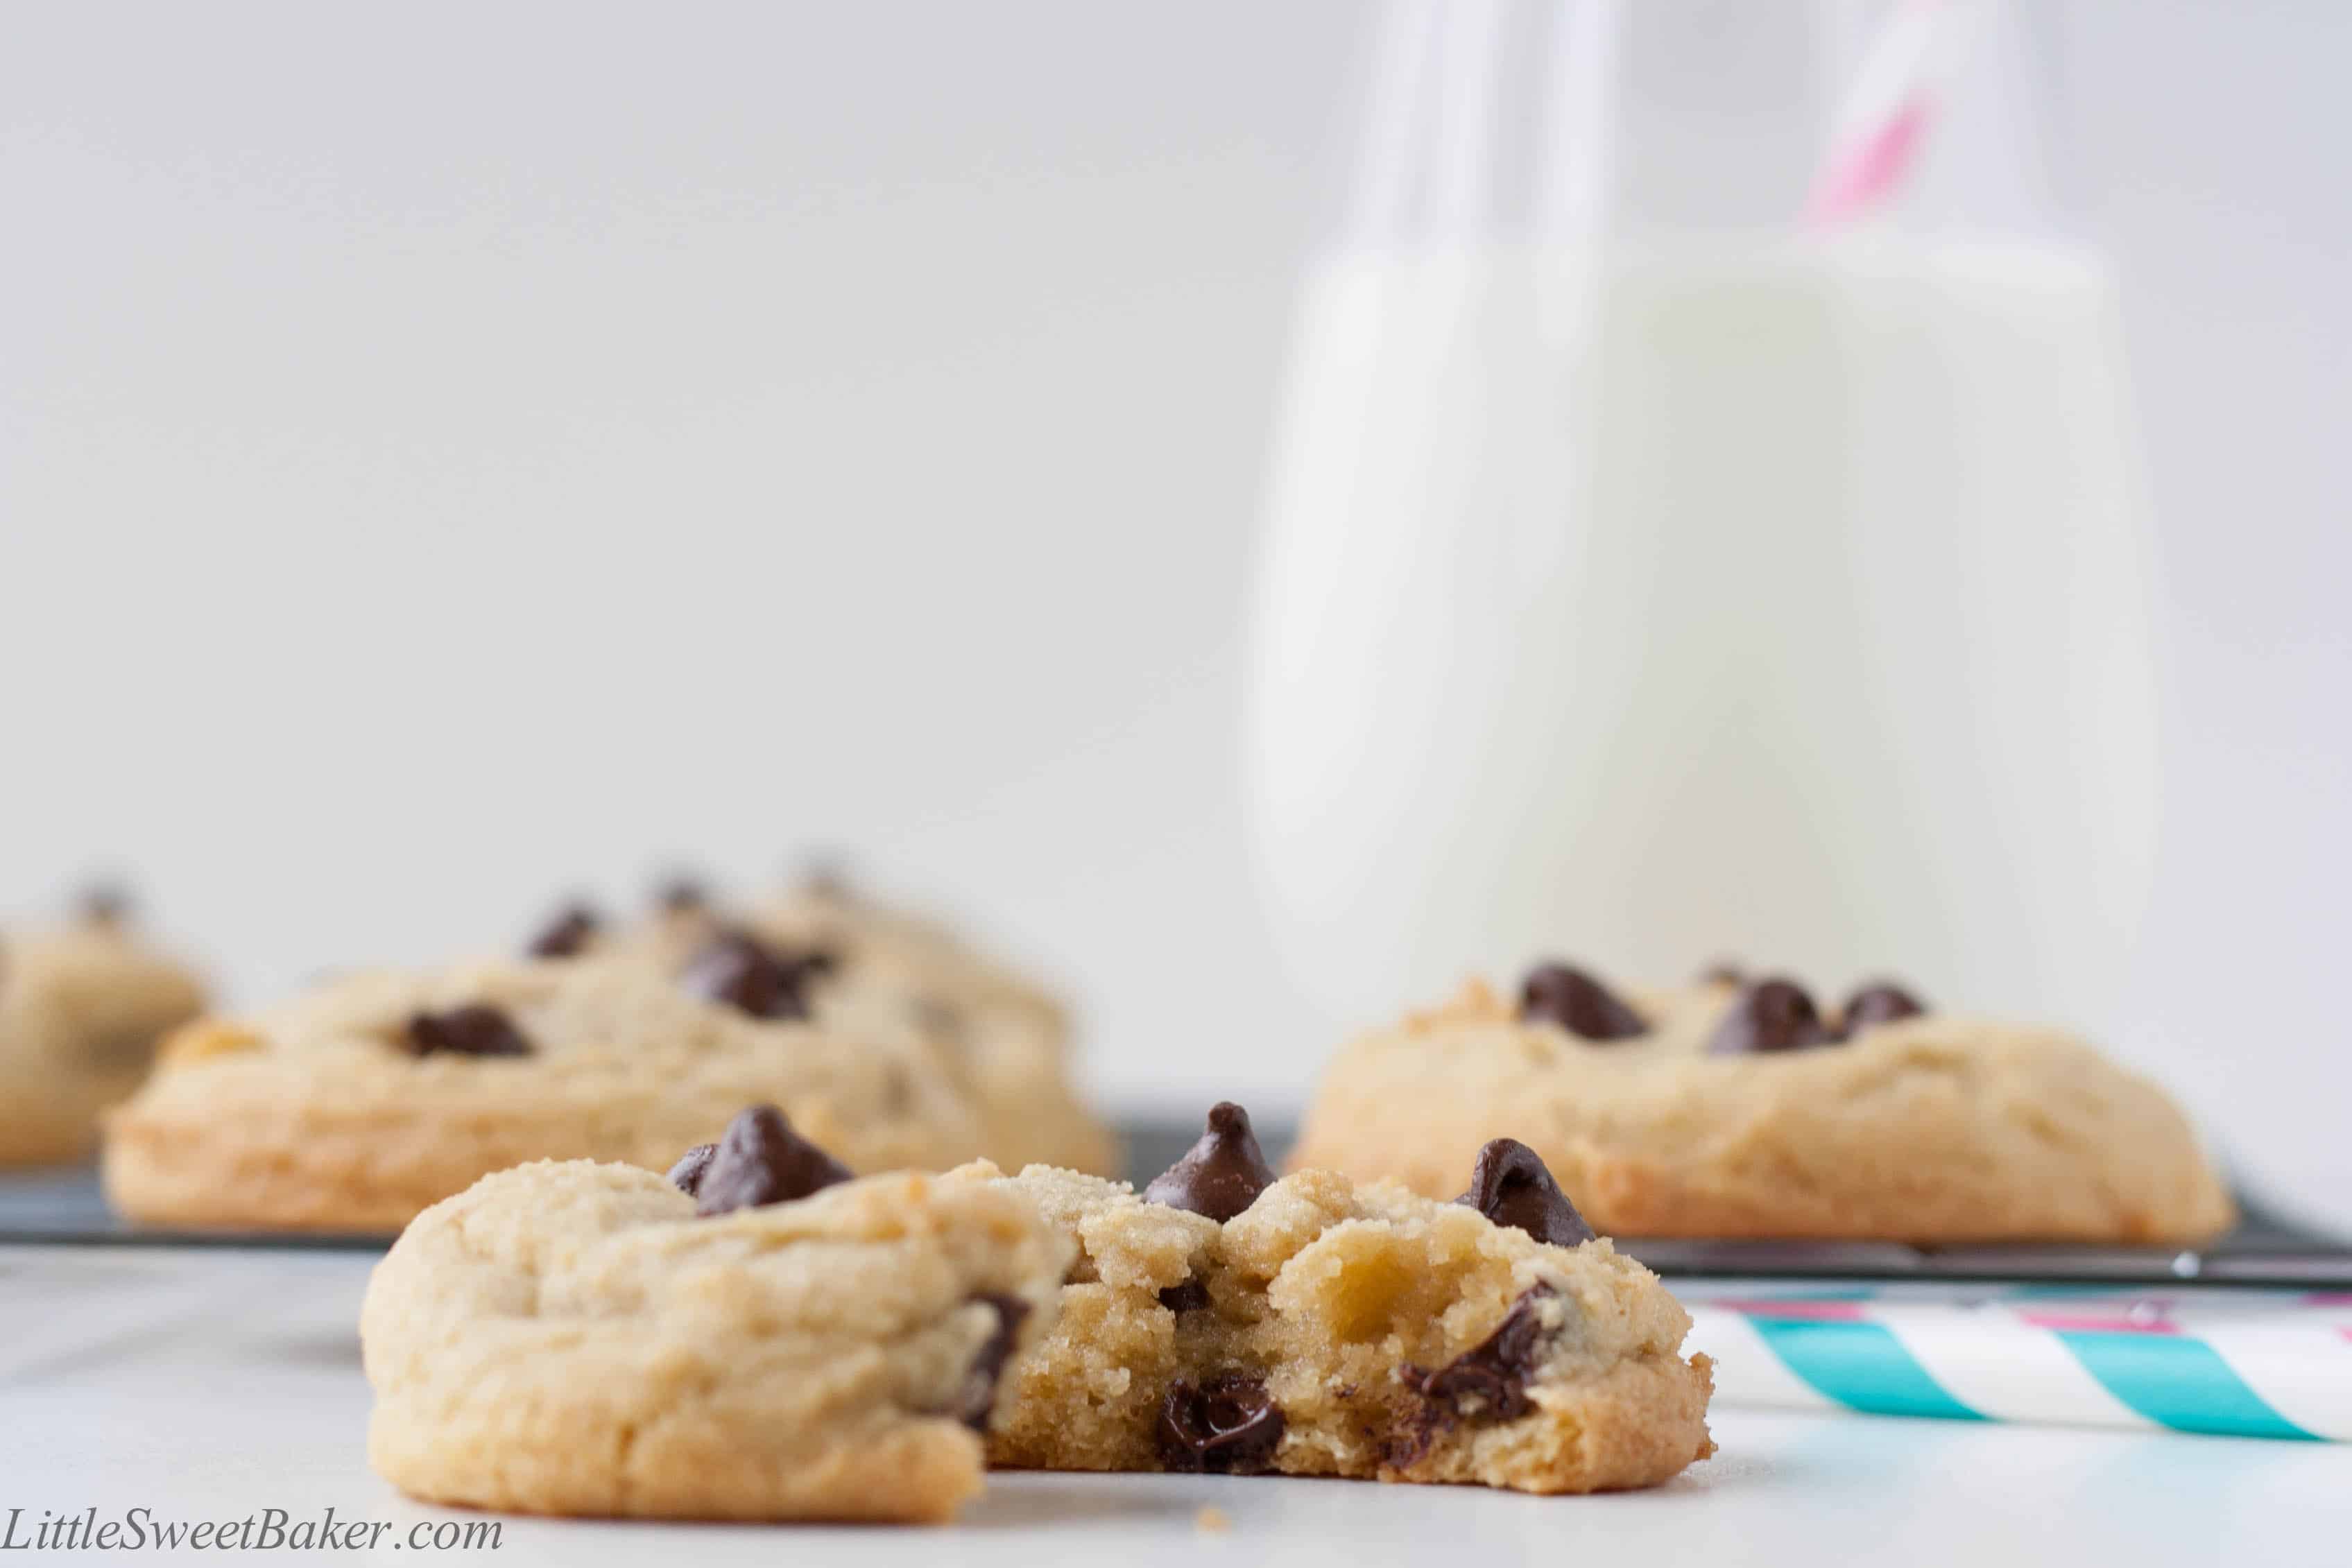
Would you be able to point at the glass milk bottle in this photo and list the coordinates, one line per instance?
(1703, 520)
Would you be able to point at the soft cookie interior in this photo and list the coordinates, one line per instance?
(1334, 1330)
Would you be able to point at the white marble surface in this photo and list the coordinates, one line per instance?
(210, 1385)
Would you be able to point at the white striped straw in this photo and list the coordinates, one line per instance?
(1888, 110)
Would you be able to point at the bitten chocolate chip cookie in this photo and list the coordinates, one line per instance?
(1741, 1107)
(776, 1343)
(81, 1007)
(355, 1107)
(762, 1336)
(1225, 1321)
(1007, 1036)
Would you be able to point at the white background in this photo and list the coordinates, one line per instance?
(449, 453)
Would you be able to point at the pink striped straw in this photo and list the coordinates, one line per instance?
(1886, 114)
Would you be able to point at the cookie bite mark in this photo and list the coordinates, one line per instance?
(1227, 1425)
(568, 934)
(1351, 1331)
(474, 1029)
(1222, 1175)
(738, 969)
(1511, 1186)
(1771, 1016)
(758, 1160)
(1564, 994)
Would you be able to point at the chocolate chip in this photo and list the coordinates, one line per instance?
(692, 1166)
(474, 1029)
(106, 903)
(1566, 996)
(1510, 1185)
(566, 936)
(738, 968)
(1226, 1426)
(1221, 1174)
(1723, 972)
(1489, 1382)
(1879, 1003)
(761, 1160)
(683, 893)
(978, 1399)
(1770, 1014)
(1192, 1296)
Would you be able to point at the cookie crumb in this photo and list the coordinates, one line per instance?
(1213, 1519)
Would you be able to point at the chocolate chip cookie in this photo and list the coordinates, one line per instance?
(779, 1343)
(1006, 1035)
(762, 1336)
(356, 1106)
(1227, 1321)
(81, 1007)
(1741, 1105)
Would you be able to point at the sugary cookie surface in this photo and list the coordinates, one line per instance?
(1740, 1107)
(1006, 1034)
(357, 1106)
(572, 1338)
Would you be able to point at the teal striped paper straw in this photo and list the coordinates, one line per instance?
(2245, 1364)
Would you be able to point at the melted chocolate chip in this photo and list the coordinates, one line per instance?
(1192, 1296)
(106, 903)
(1226, 1426)
(1566, 996)
(683, 893)
(1489, 1382)
(475, 1029)
(1510, 1185)
(738, 968)
(977, 1401)
(1221, 1174)
(566, 936)
(761, 1160)
(692, 1166)
(1770, 1014)
(1878, 1003)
